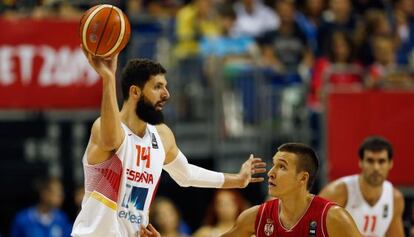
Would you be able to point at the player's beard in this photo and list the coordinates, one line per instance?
(147, 112)
(374, 179)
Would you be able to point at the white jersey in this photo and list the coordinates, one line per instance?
(372, 221)
(120, 190)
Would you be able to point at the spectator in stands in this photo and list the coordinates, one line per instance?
(195, 20)
(17, 9)
(403, 19)
(254, 18)
(221, 213)
(286, 49)
(139, 11)
(233, 56)
(385, 71)
(309, 19)
(339, 17)
(339, 67)
(376, 24)
(228, 45)
(45, 218)
(362, 6)
(166, 218)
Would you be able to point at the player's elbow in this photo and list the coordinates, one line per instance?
(183, 178)
(183, 183)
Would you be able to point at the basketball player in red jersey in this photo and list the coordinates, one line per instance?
(375, 205)
(294, 211)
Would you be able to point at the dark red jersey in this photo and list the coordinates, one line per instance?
(311, 224)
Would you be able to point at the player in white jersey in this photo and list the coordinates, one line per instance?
(373, 202)
(128, 149)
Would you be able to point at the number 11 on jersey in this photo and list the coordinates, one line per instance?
(370, 223)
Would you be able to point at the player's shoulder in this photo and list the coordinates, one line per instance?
(164, 130)
(337, 186)
(167, 136)
(336, 191)
(337, 215)
(336, 212)
(340, 223)
(249, 214)
(398, 196)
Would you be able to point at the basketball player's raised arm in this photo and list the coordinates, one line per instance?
(107, 134)
(244, 226)
(339, 223)
(185, 174)
(335, 191)
(396, 228)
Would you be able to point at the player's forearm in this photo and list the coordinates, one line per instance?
(110, 127)
(233, 181)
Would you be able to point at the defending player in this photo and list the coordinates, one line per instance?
(373, 202)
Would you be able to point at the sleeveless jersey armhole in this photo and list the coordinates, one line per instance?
(324, 215)
(259, 218)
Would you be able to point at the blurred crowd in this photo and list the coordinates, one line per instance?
(362, 43)
(311, 38)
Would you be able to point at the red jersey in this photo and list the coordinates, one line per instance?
(311, 224)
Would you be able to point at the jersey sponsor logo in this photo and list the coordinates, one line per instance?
(144, 155)
(312, 228)
(269, 227)
(132, 203)
(154, 141)
(385, 211)
(127, 215)
(140, 177)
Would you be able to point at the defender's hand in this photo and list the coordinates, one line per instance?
(150, 231)
(251, 167)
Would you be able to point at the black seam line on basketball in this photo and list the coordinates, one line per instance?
(103, 30)
(81, 26)
(120, 29)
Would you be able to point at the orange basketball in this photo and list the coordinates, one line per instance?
(104, 30)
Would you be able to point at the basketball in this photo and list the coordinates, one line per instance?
(104, 30)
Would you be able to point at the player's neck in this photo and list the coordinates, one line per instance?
(131, 120)
(293, 208)
(370, 193)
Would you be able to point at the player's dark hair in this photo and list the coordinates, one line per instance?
(137, 72)
(375, 143)
(307, 159)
